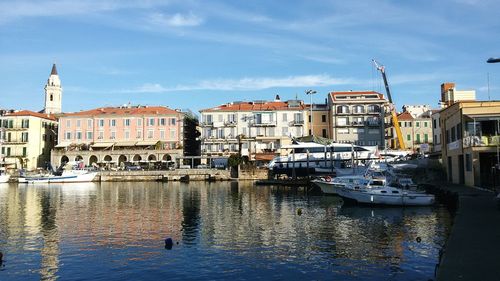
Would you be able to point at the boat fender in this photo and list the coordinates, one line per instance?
(328, 179)
(169, 243)
(419, 239)
(299, 211)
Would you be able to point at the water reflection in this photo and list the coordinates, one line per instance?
(97, 230)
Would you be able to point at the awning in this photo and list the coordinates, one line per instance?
(482, 117)
(125, 143)
(146, 143)
(102, 144)
(63, 144)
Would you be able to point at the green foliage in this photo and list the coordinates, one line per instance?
(234, 160)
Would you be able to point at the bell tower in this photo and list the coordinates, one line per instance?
(53, 93)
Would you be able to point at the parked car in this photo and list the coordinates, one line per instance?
(133, 168)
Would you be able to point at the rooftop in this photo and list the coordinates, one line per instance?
(258, 106)
(354, 95)
(31, 113)
(124, 110)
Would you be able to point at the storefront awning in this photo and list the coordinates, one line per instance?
(146, 143)
(102, 144)
(126, 143)
(63, 144)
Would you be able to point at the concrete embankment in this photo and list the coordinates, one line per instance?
(175, 175)
(472, 251)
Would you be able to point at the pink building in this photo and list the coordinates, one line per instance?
(119, 130)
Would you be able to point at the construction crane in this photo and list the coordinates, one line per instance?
(394, 116)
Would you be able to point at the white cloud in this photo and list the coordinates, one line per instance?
(248, 84)
(176, 20)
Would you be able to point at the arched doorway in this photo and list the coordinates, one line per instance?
(108, 158)
(151, 158)
(78, 158)
(121, 160)
(92, 160)
(137, 157)
(166, 157)
(64, 159)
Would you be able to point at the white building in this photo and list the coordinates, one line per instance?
(257, 128)
(53, 93)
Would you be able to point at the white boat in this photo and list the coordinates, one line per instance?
(310, 157)
(69, 172)
(4, 177)
(387, 195)
(330, 185)
(65, 177)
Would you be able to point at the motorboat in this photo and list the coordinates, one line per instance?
(311, 158)
(386, 195)
(330, 185)
(70, 172)
(4, 177)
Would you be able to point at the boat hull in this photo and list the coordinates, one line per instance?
(60, 179)
(4, 178)
(327, 187)
(372, 197)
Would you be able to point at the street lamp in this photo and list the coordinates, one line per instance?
(311, 93)
(493, 60)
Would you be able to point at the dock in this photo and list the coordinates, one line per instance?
(472, 251)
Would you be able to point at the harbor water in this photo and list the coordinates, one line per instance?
(220, 231)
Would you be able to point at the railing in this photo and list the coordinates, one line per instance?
(263, 124)
(206, 124)
(471, 141)
(230, 123)
(357, 123)
(14, 141)
(297, 122)
(373, 123)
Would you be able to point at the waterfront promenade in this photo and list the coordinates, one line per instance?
(473, 248)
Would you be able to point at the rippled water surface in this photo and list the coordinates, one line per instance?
(116, 231)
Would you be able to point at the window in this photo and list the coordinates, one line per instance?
(358, 109)
(343, 131)
(221, 117)
(453, 135)
(373, 108)
(357, 121)
(284, 131)
(78, 123)
(162, 122)
(373, 131)
(162, 134)
(408, 137)
(139, 122)
(434, 123)
(24, 137)
(342, 121)
(89, 123)
(127, 135)
(25, 123)
(24, 151)
(324, 133)
(68, 135)
(151, 122)
(89, 135)
(172, 121)
(112, 123)
(358, 130)
(271, 132)
(323, 118)
(51, 98)
(418, 138)
(68, 123)
(426, 138)
(285, 117)
(425, 124)
(101, 135)
(139, 134)
(172, 133)
(113, 135)
(400, 124)
(101, 123)
(150, 134)
(126, 122)
(298, 118)
(436, 141)
(78, 135)
(417, 124)
(342, 109)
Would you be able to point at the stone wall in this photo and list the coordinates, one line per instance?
(253, 174)
(175, 175)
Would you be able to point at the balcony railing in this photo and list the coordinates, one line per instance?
(373, 123)
(206, 124)
(230, 123)
(357, 123)
(472, 141)
(297, 122)
(264, 124)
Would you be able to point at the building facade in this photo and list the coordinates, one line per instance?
(27, 138)
(254, 129)
(358, 117)
(471, 139)
(115, 135)
(417, 131)
(320, 125)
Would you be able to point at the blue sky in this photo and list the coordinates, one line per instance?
(198, 54)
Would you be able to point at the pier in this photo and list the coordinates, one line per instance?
(473, 247)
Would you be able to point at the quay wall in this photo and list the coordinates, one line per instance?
(253, 174)
(175, 175)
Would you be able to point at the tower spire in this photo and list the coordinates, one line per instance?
(54, 70)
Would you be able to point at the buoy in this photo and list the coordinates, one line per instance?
(299, 211)
(169, 243)
(419, 239)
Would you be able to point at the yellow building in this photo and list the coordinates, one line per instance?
(320, 125)
(27, 138)
(470, 136)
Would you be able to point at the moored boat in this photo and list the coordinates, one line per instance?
(4, 177)
(65, 177)
(387, 195)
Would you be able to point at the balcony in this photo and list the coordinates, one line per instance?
(297, 123)
(16, 128)
(264, 124)
(206, 124)
(475, 141)
(372, 123)
(230, 123)
(15, 141)
(357, 123)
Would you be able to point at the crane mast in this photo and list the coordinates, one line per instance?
(394, 117)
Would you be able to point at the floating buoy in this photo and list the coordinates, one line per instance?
(169, 243)
(419, 239)
(299, 211)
